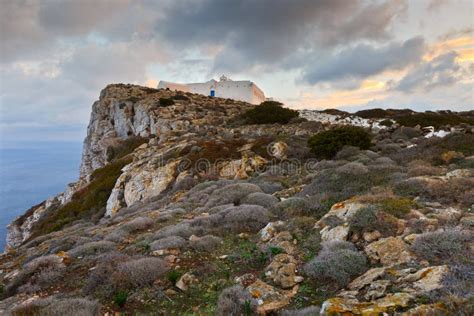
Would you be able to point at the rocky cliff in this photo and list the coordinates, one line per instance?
(183, 208)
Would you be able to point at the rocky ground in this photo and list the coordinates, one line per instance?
(181, 209)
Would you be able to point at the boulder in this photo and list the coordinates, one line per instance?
(425, 280)
(350, 306)
(389, 251)
(282, 271)
(268, 297)
(367, 278)
(338, 233)
(186, 281)
(267, 232)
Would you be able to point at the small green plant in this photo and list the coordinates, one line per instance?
(275, 250)
(269, 112)
(248, 308)
(166, 102)
(120, 298)
(173, 276)
(325, 145)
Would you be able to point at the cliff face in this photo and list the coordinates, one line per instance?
(122, 112)
(182, 207)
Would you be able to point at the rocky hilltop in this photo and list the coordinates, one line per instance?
(185, 208)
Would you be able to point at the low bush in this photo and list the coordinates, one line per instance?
(117, 272)
(269, 112)
(141, 272)
(459, 281)
(454, 191)
(418, 168)
(232, 194)
(336, 265)
(236, 301)
(205, 243)
(435, 119)
(234, 219)
(165, 102)
(398, 207)
(353, 168)
(294, 206)
(168, 242)
(431, 149)
(325, 145)
(92, 248)
(330, 185)
(137, 224)
(443, 247)
(52, 306)
(35, 275)
(259, 198)
(370, 218)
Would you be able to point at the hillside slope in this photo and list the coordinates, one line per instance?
(183, 209)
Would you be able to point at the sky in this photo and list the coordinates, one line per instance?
(56, 55)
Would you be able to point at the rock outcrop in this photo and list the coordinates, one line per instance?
(183, 208)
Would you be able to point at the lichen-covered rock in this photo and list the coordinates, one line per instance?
(186, 281)
(282, 271)
(389, 251)
(270, 230)
(268, 297)
(389, 303)
(425, 280)
(338, 233)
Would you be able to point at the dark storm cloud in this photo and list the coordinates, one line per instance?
(363, 61)
(441, 71)
(268, 31)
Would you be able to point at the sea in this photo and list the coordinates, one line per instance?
(32, 172)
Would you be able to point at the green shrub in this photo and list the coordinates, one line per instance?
(125, 147)
(275, 250)
(165, 102)
(398, 207)
(325, 145)
(173, 276)
(436, 119)
(269, 112)
(120, 298)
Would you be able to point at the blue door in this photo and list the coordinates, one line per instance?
(213, 93)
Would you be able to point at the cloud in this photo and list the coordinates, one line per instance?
(33, 29)
(441, 71)
(363, 61)
(436, 4)
(267, 32)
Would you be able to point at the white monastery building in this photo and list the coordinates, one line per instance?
(243, 90)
